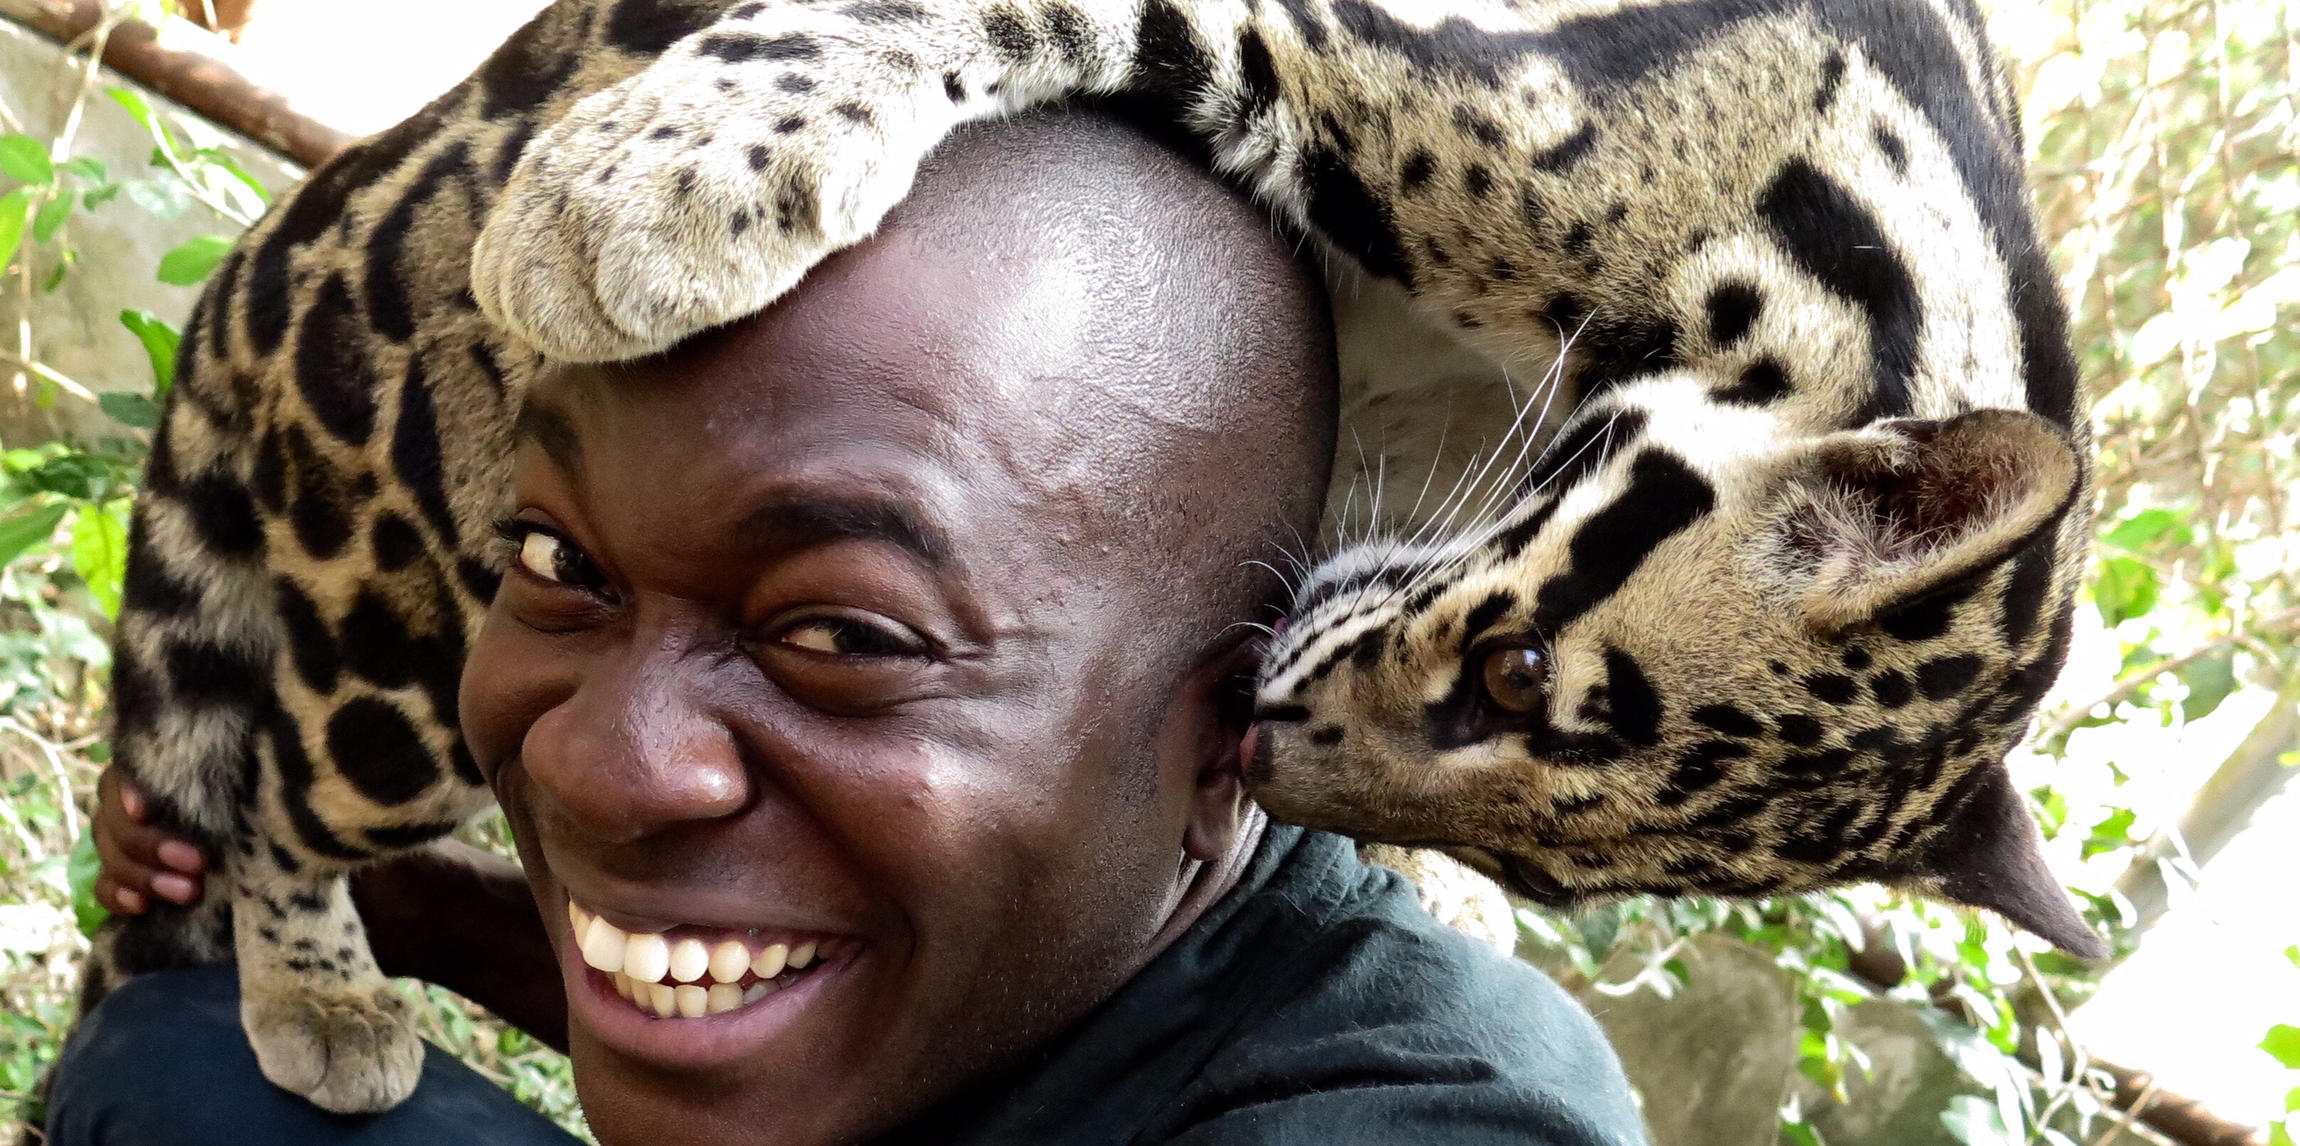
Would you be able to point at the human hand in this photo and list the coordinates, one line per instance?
(140, 861)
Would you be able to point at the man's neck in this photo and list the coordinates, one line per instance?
(1210, 882)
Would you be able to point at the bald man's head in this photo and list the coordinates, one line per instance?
(1193, 407)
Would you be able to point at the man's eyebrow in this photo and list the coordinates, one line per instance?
(554, 431)
(809, 522)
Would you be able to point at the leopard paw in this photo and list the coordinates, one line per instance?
(699, 190)
(1453, 893)
(352, 1050)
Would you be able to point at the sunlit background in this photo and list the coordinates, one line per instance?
(2163, 140)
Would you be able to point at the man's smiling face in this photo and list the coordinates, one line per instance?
(846, 627)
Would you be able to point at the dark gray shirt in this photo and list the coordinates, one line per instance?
(1317, 1004)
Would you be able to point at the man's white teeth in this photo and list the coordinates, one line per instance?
(769, 963)
(687, 978)
(689, 1000)
(728, 962)
(692, 1001)
(603, 945)
(689, 959)
(646, 956)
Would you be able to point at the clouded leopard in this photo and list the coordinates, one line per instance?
(1766, 614)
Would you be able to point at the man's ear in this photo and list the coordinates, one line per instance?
(1217, 705)
(1879, 516)
(1987, 856)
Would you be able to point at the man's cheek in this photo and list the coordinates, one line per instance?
(509, 681)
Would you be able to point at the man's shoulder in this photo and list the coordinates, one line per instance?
(1376, 1018)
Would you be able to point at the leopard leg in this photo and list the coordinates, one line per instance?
(1457, 896)
(324, 1021)
(191, 675)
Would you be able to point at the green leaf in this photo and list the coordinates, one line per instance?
(2149, 524)
(189, 263)
(80, 871)
(160, 341)
(2050, 809)
(50, 218)
(25, 160)
(15, 212)
(2111, 833)
(136, 106)
(163, 198)
(2126, 589)
(218, 157)
(26, 530)
(100, 196)
(133, 410)
(2283, 1044)
(2292, 1100)
(1974, 1121)
(2280, 1134)
(100, 551)
(86, 167)
(1599, 927)
(2209, 679)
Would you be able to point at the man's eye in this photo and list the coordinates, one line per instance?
(549, 557)
(849, 637)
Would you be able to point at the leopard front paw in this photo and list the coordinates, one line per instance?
(349, 1049)
(699, 190)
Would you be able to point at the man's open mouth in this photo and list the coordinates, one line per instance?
(687, 972)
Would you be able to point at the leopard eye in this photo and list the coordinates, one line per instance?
(1513, 678)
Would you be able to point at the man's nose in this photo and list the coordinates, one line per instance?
(637, 749)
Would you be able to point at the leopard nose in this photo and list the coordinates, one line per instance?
(1254, 758)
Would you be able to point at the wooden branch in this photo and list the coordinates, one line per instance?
(202, 83)
(2130, 683)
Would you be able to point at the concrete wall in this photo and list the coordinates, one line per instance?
(76, 329)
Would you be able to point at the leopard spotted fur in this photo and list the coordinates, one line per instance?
(1766, 615)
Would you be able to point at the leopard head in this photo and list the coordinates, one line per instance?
(1702, 655)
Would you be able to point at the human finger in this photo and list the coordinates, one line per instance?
(118, 899)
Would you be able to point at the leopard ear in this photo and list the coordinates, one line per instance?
(1879, 516)
(1987, 856)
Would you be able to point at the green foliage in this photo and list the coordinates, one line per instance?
(160, 341)
(2282, 1043)
(25, 160)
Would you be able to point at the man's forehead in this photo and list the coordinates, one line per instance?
(542, 423)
